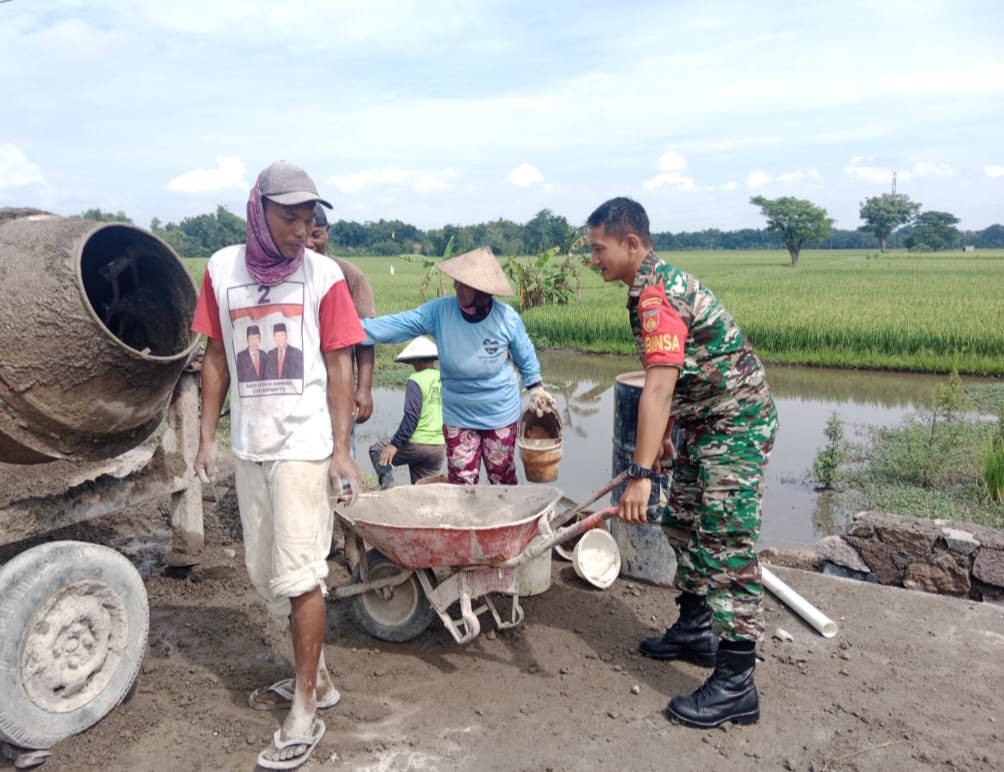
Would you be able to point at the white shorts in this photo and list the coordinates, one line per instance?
(287, 513)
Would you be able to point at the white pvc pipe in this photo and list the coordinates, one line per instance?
(823, 624)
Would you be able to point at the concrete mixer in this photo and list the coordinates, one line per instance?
(95, 323)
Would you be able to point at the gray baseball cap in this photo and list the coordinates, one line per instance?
(289, 185)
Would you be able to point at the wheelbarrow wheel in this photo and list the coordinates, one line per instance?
(394, 614)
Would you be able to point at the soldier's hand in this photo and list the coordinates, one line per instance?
(634, 502)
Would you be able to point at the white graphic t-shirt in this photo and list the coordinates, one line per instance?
(275, 338)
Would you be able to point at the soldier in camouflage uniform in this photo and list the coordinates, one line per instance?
(702, 374)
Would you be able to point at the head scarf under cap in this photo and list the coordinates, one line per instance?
(478, 269)
(264, 261)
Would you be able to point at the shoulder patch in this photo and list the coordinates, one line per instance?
(664, 334)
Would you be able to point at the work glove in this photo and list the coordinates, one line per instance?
(541, 402)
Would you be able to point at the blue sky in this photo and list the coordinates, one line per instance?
(439, 112)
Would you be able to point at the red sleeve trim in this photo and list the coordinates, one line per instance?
(664, 333)
(340, 326)
(207, 311)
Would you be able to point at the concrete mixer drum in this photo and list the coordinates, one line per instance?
(96, 329)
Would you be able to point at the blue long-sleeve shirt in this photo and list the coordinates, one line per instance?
(479, 385)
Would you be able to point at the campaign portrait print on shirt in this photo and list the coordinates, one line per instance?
(268, 338)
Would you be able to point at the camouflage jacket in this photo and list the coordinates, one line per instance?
(678, 321)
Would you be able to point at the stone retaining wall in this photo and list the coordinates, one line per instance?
(939, 556)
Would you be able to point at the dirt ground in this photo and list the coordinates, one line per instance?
(911, 681)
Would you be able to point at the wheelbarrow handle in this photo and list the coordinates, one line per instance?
(595, 520)
(561, 535)
(569, 514)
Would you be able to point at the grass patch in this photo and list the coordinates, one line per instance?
(933, 465)
(837, 309)
(840, 308)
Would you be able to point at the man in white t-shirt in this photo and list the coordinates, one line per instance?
(289, 429)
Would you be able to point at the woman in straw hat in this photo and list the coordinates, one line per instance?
(477, 338)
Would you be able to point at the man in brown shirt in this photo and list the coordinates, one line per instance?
(362, 299)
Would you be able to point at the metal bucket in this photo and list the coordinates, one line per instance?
(96, 325)
(645, 552)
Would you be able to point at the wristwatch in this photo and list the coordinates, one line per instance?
(636, 471)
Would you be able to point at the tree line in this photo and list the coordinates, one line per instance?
(891, 221)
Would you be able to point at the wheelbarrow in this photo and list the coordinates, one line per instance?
(439, 545)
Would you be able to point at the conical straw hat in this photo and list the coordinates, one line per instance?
(478, 269)
(419, 348)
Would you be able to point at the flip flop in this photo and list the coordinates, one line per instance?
(279, 744)
(23, 759)
(284, 689)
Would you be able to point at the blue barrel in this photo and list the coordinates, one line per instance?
(645, 551)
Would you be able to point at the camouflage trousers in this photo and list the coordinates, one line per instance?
(712, 517)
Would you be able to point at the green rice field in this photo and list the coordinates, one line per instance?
(838, 308)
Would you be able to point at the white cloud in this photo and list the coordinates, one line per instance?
(670, 165)
(524, 175)
(933, 169)
(671, 162)
(798, 176)
(434, 183)
(730, 185)
(229, 173)
(674, 179)
(993, 171)
(16, 170)
(879, 174)
(420, 182)
(757, 179)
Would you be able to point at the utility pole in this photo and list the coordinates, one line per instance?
(894, 183)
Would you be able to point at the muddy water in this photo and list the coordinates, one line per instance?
(794, 514)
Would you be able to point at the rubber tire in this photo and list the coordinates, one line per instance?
(375, 615)
(28, 583)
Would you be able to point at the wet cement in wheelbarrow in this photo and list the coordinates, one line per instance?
(911, 681)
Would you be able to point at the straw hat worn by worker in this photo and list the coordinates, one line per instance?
(420, 348)
(479, 270)
(479, 341)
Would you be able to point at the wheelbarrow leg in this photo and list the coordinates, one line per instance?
(516, 613)
(470, 619)
(465, 586)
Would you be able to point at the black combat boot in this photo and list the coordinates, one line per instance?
(728, 695)
(690, 638)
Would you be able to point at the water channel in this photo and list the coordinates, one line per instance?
(794, 514)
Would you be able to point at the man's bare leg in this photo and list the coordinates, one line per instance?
(307, 628)
(325, 686)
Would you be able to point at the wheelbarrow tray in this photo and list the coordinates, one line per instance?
(441, 525)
